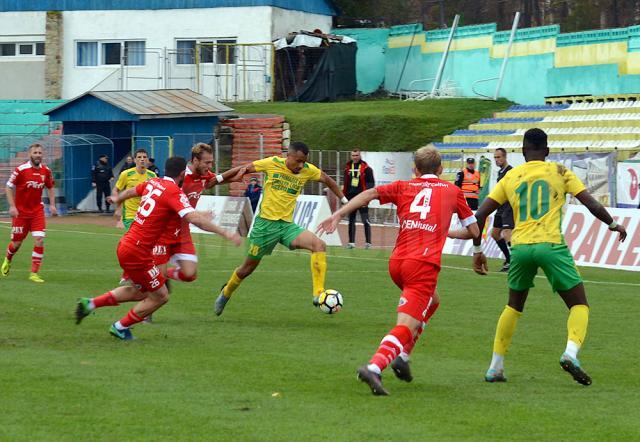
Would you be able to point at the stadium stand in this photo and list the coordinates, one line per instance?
(587, 122)
(22, 122)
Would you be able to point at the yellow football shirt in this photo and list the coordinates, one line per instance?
(131, 178)
(537, 192)
(282, 187)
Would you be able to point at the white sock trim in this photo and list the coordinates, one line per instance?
(392, 339)
(572, 349)
(497, 362)
(374, 368)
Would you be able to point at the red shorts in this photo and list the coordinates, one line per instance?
(20, 227)
(417, 280)
(179, 249)
(140, 267)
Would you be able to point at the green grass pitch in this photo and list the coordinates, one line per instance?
(272, 367)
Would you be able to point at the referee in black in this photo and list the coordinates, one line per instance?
(503, 222)
(101, 175)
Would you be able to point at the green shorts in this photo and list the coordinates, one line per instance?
(267, 233)
(554, 259)
(127, 224)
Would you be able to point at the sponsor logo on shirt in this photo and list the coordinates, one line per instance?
(34, 185)
(412, 224)
(160, 250)
(194, 195)
(17, 230)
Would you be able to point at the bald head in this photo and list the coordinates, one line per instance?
(428, 161)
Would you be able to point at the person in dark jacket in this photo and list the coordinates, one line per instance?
(152, 166)
(101, 175)
(128, 164)
(253, 192)
(358, 177)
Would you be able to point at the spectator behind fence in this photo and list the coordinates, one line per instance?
(253, 192)
(101, 175)
(358, 177)
(152, 166)
(468, 179)
(128, 164)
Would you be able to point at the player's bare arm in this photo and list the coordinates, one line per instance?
(11, 200)
(118, 198)
(330, 224)
(203, 221)
(600, 212)
(52, 201)
(479, 260)
(331, 184)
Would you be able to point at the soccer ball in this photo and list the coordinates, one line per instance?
(330, 301)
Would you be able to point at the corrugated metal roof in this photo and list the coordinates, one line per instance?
(165, 103)
(323, 7)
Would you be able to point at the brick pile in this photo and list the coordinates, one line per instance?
(246, 142)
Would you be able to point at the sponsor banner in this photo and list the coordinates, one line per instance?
(591, 243)
(628, 184)
(387, 168)
(309, 211)
(232, 213)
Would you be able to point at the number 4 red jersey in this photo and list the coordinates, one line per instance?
(162, 203)
(425, 206)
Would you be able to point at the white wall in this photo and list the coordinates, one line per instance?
(284, 21)
(25, 24)
(160, 29)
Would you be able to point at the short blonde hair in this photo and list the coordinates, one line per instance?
(36, 145)
(199, 149)
(427, 160)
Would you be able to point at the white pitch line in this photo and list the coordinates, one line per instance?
(357, 258)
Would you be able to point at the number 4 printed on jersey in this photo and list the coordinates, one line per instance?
(422, 203)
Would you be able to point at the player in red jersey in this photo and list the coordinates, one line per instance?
(176, 243)
(424, 206)
(161, 204)
(24, 195)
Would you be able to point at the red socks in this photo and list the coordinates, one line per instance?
(391, 346)
(130, 319)
(11, 251)
(176, 274)
(430, 311)
(36, 258)
(106, 300)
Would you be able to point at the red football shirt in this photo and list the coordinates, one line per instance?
(162, 204)
(194, 184)
(29, 182)
(425, 206)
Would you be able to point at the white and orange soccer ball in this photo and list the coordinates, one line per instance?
(330, 301)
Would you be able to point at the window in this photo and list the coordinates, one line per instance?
(21, 49)
(87, 53)
(207, 49)
(219, 51)
(134, 53)
(26, 49)
(110, 53)
(7, 49)
(226, 54)
(186, 52)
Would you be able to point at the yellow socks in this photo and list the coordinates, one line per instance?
(576, 328)
(232, 285)
(506, 328)
(318, 271)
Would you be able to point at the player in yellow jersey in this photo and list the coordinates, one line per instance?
(128, 179)
(537, 192)
(284, 180)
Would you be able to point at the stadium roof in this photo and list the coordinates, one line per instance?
(165, 103)
(322, 7)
